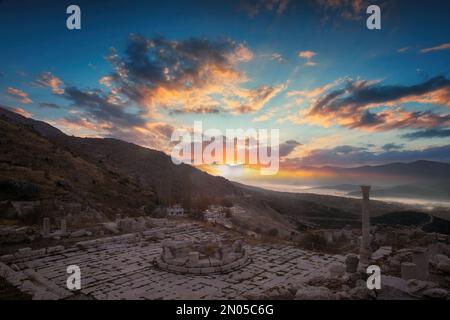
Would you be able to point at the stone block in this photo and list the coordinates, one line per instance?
(55, 249)
(408, 270)
(7, 257)
(351, 263)
(421, 259)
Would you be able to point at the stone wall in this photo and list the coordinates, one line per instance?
(197, 257)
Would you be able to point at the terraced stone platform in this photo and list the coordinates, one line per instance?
(121, 267)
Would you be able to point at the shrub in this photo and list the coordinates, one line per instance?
(225, 202)
(273, 232)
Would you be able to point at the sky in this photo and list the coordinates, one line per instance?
(339, 93)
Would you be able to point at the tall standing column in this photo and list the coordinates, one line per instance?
(63, 226)
(365, 240)
(46, 227)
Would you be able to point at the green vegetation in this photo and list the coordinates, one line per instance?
(404, 218)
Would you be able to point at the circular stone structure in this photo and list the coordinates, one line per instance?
(201, 257)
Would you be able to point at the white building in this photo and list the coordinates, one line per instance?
(175, 210)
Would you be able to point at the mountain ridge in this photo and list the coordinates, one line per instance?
(150, 167)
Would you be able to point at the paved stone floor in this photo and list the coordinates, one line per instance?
(121, 268)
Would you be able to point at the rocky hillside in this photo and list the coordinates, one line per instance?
(34, 168)
(39, 162)
(153, 169)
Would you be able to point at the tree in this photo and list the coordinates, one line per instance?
(225, 202)
(199, 206)
(227, 212)
(164, 191)
(273, 232)
(187, 193)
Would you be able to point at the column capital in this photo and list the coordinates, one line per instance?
(365, 191)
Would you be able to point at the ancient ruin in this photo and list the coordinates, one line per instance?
(365, 240)
(200, 257)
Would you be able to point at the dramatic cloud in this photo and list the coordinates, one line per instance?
(197, 110)
(399, 119)
(346, 149)
(95, 113)
(444, 46)
(46, 79)
(346, 9)
(355, 156)
(19, 95)
(152, 135)
(49, 105)
(194, 75)
(430, 133)
(308, 55)
(392, 146)
(357, 103)
(266, 116)
(287, 147)
(252, 100)
(254, 7)
(81, 126)
(21, 111)
(101, 107)
(157, 75)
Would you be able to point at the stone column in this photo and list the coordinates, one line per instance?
(351, 262)
(421, 260)
(365, 239)
(193, 258)
(63, 226)
(46, 227)
(408, 270)
(167, 254)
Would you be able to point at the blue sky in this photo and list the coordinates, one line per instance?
(310, 68)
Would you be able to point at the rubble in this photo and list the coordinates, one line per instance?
(314, 293)
(408, 270)
(436, 293)
(337, 270)
(381, 253)
(351, 262)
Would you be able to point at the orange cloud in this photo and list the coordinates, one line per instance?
(444, 46)
(266, 116)
(190, 76)
(46, 79)
(308, 55)
(22, 112)
(350, 104)
(19, 95)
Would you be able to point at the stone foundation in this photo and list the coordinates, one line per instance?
(200, 258)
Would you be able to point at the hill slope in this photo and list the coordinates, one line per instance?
(151, 168)
(34, 168)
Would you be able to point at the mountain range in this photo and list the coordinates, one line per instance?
(111, 175)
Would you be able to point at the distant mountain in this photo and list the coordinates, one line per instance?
(432, 190)
(339, 187)
(34, 168)
(418, 169)
(152, 169)
(38, 161)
